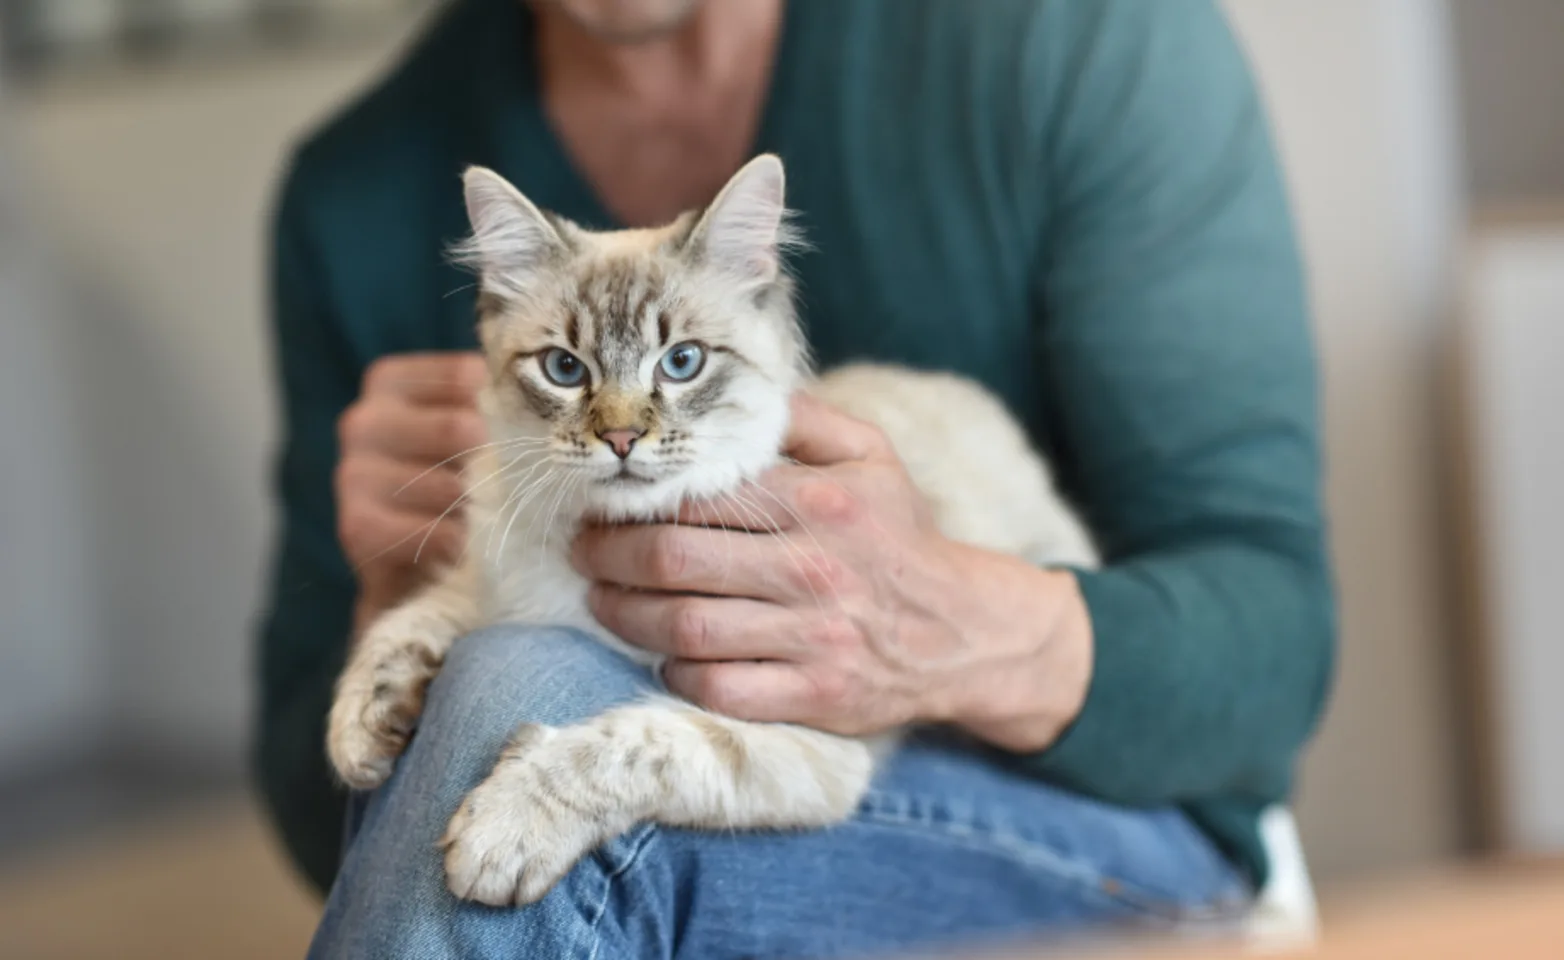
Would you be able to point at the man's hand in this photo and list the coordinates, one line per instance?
(824, 595)
(400, 470)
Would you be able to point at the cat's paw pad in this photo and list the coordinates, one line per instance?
(522, 829)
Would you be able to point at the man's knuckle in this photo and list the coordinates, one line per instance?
(691, 632)
(818, 574)
(715, 690)
(827, 501)
(829, 689)
(876, 440)
(354, 526)
(353, 424)
(449, 426)
(382, 374)
(670, 557)
(472, 431)
(834, 633)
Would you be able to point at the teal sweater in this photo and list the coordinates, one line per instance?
(1074, 201)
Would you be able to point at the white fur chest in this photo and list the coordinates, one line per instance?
(522, 558)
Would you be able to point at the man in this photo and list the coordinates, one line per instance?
(1074, 201)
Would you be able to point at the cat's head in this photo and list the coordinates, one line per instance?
(647, 365)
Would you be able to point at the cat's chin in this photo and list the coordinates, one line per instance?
(632, 498)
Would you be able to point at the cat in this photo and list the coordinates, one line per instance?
(630, 372)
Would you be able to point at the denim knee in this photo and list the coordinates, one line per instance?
(529, 674)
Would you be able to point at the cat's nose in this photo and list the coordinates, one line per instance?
(621, 441)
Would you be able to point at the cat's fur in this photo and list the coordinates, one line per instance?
(619, 301)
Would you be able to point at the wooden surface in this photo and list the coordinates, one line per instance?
(213, 884)
(1510, 912)
(207, 885)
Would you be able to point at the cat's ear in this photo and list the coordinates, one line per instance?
(744, 233)
(510, 236)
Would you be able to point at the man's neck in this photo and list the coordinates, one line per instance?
(718, 39)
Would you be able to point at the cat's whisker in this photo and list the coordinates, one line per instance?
(505, 444)
(427, 529)
(466, 495)
(869, 517)
(559, 500)
(518, 497)
(526, 486)
(532, 491)
(788, 509)
(571, 487)
(754, 514)
(800, 552)
(727, 569)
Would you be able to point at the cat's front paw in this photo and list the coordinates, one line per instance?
(362, 745)
(373, 717)
(522, 829)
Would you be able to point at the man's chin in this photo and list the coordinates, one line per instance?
(610, 22)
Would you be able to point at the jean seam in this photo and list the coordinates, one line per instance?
(630, 861)
(1086, 878)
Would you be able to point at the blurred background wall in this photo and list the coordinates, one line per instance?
(1362, 96)
(148, 419)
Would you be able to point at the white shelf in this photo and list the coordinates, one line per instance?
(93, 39)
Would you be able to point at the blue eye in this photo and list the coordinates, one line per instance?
(563, 367)
(682, 362)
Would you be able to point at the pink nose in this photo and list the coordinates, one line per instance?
(621, 441)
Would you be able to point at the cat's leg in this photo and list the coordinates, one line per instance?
(556, 794)
(381, 691)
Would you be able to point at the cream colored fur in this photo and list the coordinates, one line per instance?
(556, 794)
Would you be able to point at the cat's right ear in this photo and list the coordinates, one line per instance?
(511, 238)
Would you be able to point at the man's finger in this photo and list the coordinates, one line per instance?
(431, 378)
(375, 536)
(766, 506)
(400, 485)
(767, 692)
(700, 628)
(680, 559)
(820, 435)
(421, 434)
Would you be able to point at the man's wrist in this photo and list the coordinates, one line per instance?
(1031, 635)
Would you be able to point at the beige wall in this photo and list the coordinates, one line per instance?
(1361, 93)
(161, 185)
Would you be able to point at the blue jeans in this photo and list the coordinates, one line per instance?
(948, 848)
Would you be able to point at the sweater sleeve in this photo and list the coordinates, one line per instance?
(1176, 352)
(308, 618)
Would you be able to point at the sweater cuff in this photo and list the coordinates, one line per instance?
(1092, 754)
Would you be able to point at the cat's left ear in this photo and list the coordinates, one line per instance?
(744, 233)
(511, 238)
